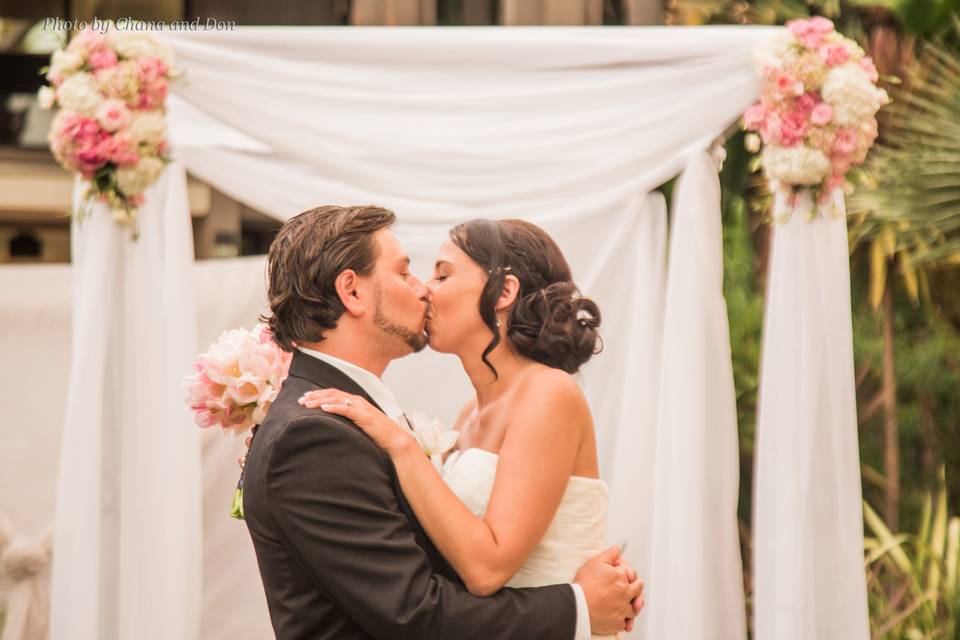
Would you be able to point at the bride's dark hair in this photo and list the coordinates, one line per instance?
(549, 321)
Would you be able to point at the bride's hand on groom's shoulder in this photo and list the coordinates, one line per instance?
(389, 436)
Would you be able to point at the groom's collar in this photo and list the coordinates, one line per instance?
(371, 384)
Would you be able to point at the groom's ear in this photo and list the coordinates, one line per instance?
(346, 285)
(511, 289)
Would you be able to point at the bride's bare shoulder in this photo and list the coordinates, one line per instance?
(546, 387)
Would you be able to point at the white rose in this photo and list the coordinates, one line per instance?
(135, 179)
(65, 61)
(778, 50)
(46, 97)
(128, 44)
(795, 165)
(149, 127)
(852, 95)
(79, 93)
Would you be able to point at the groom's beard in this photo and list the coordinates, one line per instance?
(416, 341)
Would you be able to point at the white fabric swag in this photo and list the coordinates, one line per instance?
(568, 128)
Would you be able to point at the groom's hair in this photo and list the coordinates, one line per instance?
(309, 252)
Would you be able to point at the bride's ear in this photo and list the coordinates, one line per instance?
(347, 285)
(511, 289)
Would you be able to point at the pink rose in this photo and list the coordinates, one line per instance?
(113, 115)
(792, 128)
(151, 69)
(834, 54)
(871, 70)
(786, 85)
(119, 150)
(770, 129)
(821, 114)
(844, 142)
(754, 116)
(86, 41)
(821, 25)
(807, 102)
(810, 33)
(102, 58)
(153, 94)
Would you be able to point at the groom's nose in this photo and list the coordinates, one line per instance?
(421, 290)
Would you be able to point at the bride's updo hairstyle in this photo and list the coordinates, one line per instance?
(549, 321)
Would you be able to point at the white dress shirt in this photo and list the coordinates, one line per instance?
(383, 396)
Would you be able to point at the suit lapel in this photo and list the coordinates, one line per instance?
(326, 376)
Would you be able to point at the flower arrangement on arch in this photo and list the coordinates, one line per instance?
(111, 129)
(816, 116)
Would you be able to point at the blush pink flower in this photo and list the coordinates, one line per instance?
(793, 128)
(102, 58)
(754, 116)
(86, 41)
(770, 129)
(113, 115)
(807, 102)
(153, 94)
(120, 150)
(822, 114)
(871, 70)
(151, 69)
(834, 54)
(844, 142)
(821, 25)
(787, 85)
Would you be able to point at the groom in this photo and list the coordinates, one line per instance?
(340, 551)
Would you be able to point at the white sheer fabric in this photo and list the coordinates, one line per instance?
(808, 527)
(127, 537)
(695, 544)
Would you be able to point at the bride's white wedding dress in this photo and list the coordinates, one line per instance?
(576, 534)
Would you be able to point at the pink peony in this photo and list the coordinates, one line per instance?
(821, 114)
(834, 54)
(113, 115)
(102, 58)
(237, 379)
(770, 129)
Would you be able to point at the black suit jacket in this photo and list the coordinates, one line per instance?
(340, 551)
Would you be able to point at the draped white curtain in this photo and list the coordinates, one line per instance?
(568, 128)
(127, 544)
(808, 525)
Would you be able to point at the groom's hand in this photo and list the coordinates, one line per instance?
(610, 592)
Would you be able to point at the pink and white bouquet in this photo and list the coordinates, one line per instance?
(816, 117)
(111, 130)
(237, 379)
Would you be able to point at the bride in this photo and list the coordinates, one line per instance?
(520, 504)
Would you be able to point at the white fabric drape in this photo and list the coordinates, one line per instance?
(695, 544)
(568, 128)
(128, 533)
(808, 525)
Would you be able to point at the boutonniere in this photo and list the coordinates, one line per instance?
(434, 437)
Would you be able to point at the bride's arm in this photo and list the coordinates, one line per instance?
(536, 460)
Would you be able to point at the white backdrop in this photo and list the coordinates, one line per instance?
(569, 128)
